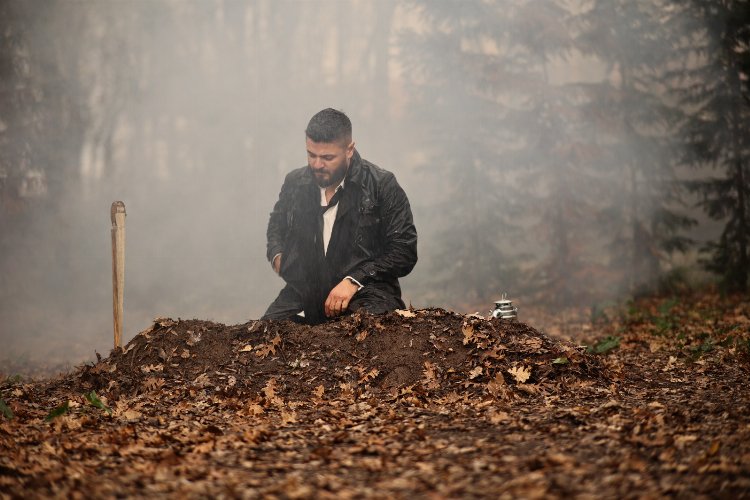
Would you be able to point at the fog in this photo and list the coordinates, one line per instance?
(192, 112)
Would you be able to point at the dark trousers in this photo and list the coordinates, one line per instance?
(370, 299)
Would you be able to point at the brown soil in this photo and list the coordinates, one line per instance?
(422, 403)
(367, 353)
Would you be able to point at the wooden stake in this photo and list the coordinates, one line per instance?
(118, 267)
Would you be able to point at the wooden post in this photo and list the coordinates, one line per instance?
(118, 267)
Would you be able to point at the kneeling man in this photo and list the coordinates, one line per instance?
(341, 233)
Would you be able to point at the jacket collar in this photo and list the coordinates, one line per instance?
(355, 169)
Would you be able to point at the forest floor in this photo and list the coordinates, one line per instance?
(423, 403)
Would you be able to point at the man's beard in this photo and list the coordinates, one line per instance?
(325, 180)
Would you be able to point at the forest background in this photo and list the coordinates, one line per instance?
(569, 153)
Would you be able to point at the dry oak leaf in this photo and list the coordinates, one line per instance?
(288, 417)
(405, 313)
(468, 331)
(430, 375)
(533, 343)
(520, 373)
(131, 414)
(246, 348)
(496, 385)
(319, 391)
(475, 372)
(153, 383)
(366, 377)
(498, 417)
(164, 322)
(270, 389)
(254, 409)
(152, 368)
(264, 350)
(202, 380)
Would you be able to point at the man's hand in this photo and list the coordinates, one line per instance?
(277, 263)
(338, 299)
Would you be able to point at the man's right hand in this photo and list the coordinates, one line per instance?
(277, 263)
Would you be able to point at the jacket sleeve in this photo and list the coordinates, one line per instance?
(279, 221)
(400, 250)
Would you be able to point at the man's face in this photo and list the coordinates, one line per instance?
(329, 161)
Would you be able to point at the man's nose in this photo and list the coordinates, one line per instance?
(317, 163)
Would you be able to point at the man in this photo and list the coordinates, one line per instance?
(341, 233)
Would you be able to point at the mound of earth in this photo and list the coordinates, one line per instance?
(429, 350)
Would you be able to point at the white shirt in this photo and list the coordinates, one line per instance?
(329, 217)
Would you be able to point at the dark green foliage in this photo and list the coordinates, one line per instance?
(507, 141)
(58, 411)
(5, 410)
(634, 138)
(456, 95)
(716, 132)
(582, 167)
(94, 400)
(605, 345)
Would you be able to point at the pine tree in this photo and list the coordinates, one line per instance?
(633, 141)
(508, 139)
(449, 63)
(714, 92)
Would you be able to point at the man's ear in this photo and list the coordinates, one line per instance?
(350, 150)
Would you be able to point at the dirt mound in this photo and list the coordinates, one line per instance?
(427, 351)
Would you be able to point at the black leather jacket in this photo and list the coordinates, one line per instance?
(374, 239)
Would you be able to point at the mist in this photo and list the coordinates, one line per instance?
(192, 113)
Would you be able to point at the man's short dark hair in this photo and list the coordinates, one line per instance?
(329, 125)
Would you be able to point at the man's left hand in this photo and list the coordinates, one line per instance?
(338, 299)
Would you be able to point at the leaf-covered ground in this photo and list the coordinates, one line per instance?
(422, 403)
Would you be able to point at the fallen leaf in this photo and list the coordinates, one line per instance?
(430, 375)
(5, 410)
(270, 389)
(288, 417)
(58, 411)
(520, 373)
(475, 372)
(405, 313)
(497, 385)
(246, 348)
(193, 337)
(153, 383)
(362, 335)
(366, 377)
(533, 343)
(468, 331)
(202, 380)
(254, 409)
(94, 400)
(498, 417)
(131, 414)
